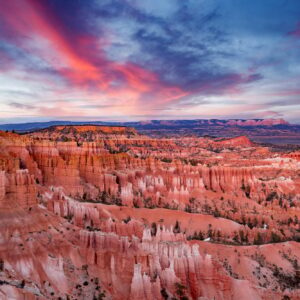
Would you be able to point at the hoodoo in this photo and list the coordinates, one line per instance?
(106, 213)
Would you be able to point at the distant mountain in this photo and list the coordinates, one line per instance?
(148, 124)
(40, 125)
(274, 131)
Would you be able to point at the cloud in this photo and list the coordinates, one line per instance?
(96, 106)
(284, 102)
(21, 105)
(183, 47)
(147, 56)
(81, 66)
(268, 114)
(296, 31)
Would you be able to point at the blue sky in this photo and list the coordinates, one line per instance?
(149, 59)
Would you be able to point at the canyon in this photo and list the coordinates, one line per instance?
(110, 212)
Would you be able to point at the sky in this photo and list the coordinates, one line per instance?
(149, 59)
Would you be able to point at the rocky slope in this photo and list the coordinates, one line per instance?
(94, 212)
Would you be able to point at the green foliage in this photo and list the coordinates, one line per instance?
(127, 220)
(176, 227)
(166, 160)
(271, 196)
(181, 291)
(275, 238)
(153, 229)
(258, 239)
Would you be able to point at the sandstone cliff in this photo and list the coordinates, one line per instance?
(109, 214)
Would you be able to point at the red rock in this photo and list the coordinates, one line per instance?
(84, 204)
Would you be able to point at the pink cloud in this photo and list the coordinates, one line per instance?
(268, 114)
(80, 67)
(296, 32)
(291, 92)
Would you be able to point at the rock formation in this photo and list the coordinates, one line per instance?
(94, 212)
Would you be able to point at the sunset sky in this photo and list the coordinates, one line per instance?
(149, 59)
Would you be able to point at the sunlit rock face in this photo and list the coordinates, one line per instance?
(93, 212)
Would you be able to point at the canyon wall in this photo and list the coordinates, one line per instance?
(105, 213)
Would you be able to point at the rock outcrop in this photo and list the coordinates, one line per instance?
(105, 213)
